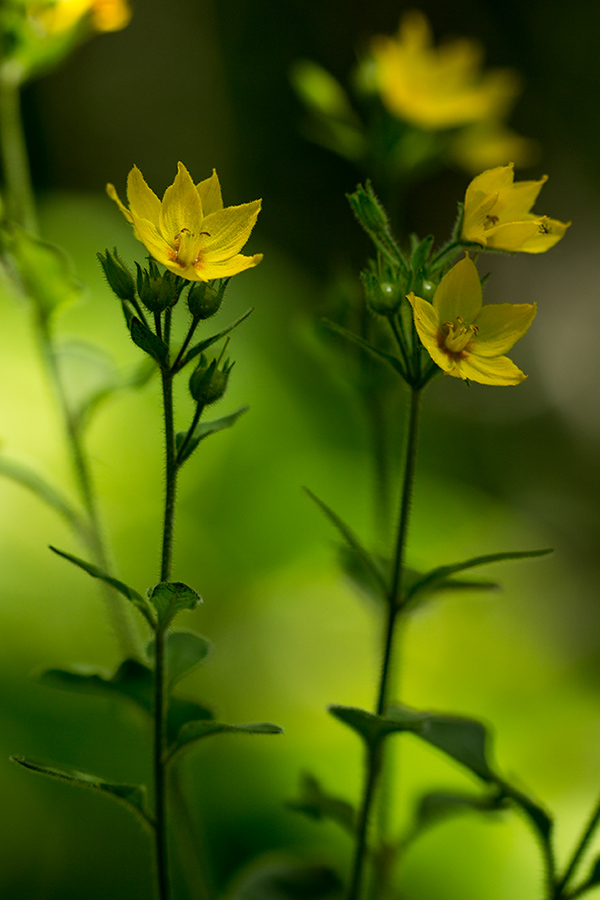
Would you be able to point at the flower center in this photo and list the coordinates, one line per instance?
(454, 336)
(490, 222)
(186, 247)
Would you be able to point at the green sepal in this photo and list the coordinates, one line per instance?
(393, 361)
(170, 598)
(124, 589)
(203, 430)
(421, 254)
(184, 652)
(37, 484)
(132, 681)
(441, 573)
(208, 342)
(149, 342)
(45, 272)
(280, 879)
(363, 555)
(196, 730)
(317, 804)
(132, 795)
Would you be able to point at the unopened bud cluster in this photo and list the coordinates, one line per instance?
(208, 381)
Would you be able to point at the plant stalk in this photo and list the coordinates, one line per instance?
(13, 150)
(375, 759)
(578, 853)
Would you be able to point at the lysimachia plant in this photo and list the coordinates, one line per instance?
(194, 244)
(430, 304)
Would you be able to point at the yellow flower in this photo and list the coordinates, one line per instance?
(488, 144)
(497, 214)
(60, 16)
(189, 232)
(463, 337)
(438, 87)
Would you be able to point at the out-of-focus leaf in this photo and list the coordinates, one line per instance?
(439, 805)
(320, 91)
(33, 481)
(203, 430)
(276, 879)
(184, 652)
(171, 597)
(45, 271)
(441, 573)
(124, 589)
(132, 795)
(182, 711)
(196, 730)
(132, 680)
(317, 804)
(370, 349)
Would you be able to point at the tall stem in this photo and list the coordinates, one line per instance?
(375, 758)
(15, 162)
(578, 853)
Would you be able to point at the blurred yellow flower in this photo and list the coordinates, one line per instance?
(189, 232)
(488, 144)
(468, 340)
(497, 214)
(62, 15)
(438, 87)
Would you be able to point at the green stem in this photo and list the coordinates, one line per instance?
(190, 432)
(375, 758)
(170, 476)
(185, 345)
(15, 162)
(578, 853)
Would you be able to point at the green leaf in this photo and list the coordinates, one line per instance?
(132, 795)
(132, 681)
(421, 253)
(594, 877)
(373, 351)
(149, 342)
(182, 711)
(195, 731)
(443, 572)
(36, 483)
(372, 728)
(317, 804)
(204, 345)
(364, 556)
(170, 597)
(203, 430)
(284, 880)
(184, 652)
(124, 589)
(45, 271)
(538, 817)
(439, 805)
(465, 740)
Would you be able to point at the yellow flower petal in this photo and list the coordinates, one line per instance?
(209, 192)
(229, 229)
(459, 293)
(143, 202)
(498, 370)
(228, 267)
(112, 193)
(181, 206)
(500, 325)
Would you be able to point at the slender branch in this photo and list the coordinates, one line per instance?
(160, 772)
(578, 852)
(375, 761)
(170, 476)
(183, 446)
(185, 345)
(13, 149)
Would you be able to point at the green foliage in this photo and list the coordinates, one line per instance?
(47, 493)
(45, 272)
(437, 806)
(193, 731)
(317, 804)
(208, 342)
(130, 593)
(203, 430)
(185, 651)
(285, 880)
(170, 598)
(149, 342)
(132, 795)
(373, 351)
(132, 681)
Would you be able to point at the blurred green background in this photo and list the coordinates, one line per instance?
(208, 84)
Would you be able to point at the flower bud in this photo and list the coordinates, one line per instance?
(368, 210)
(203, 300)
(383, 297)
(118, 275)
(158, 291)
(208, 383)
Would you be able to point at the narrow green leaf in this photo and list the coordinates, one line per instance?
(149, 342)
(317, 804)
(208, 342)
(36, 483)
(170, 597)
(353, 541)
(45, 271)
(195, 731)
(132, 795)
(594, 877)
(373, 351)
(372, 728)
(439, 805)
(465, 740)
(124, 589)
(421, 253)
(443, 572)
(132, 681)
(203, 430)
(182, 711)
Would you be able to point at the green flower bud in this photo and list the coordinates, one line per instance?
(117, 274)
(208, 383)
(383, 297)
(368, 210)
(156, 290)
(203, 300)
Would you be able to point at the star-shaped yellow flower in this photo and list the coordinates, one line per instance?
(61, 15)
(189, 232)
(463, 337)
(497, 214)
(438, 87)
